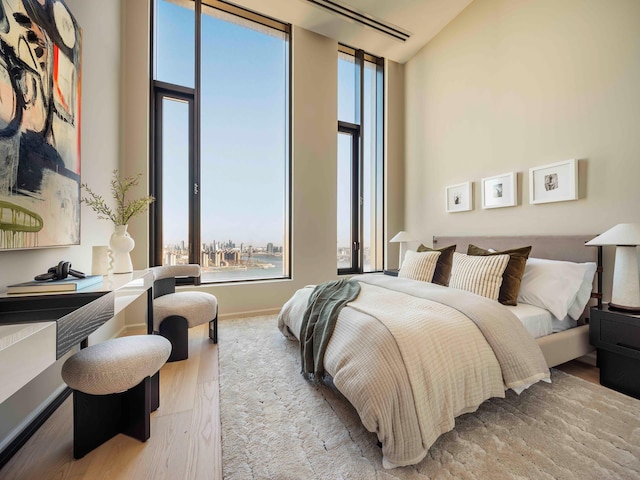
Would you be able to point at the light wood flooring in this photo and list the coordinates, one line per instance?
(185, 438)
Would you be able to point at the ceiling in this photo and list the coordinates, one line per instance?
(422, 19)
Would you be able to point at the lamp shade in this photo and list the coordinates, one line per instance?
(621, 234)
(625, 291)
(401, 236)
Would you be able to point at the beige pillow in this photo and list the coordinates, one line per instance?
(419, 265)
(481, 275)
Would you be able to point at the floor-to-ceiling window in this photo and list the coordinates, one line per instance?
(221, 143)
(360, 162)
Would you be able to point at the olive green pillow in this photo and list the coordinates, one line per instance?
(512, 276)
(445, 262)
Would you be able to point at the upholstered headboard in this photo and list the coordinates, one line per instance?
(554, 247)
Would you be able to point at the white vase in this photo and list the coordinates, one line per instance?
(102, 260)
(121, 244)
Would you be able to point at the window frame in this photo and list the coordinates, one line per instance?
(356, 253)
(357, 207)
(159, 90)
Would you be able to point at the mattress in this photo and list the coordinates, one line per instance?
(540, 322)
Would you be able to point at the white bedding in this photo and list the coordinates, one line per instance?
(409, 375)
(538, 321)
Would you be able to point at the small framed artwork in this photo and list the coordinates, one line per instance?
(459, 198)
(499, 191)
(556, 182)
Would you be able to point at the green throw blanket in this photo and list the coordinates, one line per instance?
(325, 303)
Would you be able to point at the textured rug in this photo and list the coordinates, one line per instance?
(276, 425)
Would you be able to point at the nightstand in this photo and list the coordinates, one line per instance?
(616, 335)
(393, 272)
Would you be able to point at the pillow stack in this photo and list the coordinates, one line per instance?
(481, 275)
(563, 288)
(419, 265)
(445, 263)
(512, 276)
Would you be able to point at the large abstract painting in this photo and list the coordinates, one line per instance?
(40, 83)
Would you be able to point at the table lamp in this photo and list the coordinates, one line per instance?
(625, 292)
(402, 238)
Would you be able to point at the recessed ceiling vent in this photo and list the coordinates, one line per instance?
(362, 18)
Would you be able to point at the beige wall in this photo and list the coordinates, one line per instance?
(100, 153)
(512, 84)
(394, 158)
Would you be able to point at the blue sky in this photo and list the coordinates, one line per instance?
(243, 128)
(244, 108)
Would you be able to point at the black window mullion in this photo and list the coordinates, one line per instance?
(155, 210)
(359, 172)
(163, 91)
(195, 242)
(356, 263)
(353, 131)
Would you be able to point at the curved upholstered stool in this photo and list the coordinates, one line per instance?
(175, 312)
(115, 388)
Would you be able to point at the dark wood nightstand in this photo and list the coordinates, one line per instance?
(393, 272)
(616, 335)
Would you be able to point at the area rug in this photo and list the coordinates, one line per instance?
(276, 425)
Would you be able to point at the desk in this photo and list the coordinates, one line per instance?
(38, 329)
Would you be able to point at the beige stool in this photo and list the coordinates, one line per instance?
(175, 312)
(116, 385)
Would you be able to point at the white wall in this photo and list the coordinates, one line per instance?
(99, 155)
(512, 84)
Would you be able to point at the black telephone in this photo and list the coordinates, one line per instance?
(59, 272)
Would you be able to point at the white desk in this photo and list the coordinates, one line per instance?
(37, 329)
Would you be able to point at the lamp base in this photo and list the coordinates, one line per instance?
(625, 291)
(622, 308)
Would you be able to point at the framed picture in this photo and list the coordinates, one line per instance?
(556, 182)
(459, 198)
(40, 80)
(499, 191)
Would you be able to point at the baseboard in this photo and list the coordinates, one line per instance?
(249, 313)
(12, 448)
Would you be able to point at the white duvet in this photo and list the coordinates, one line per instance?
(410, 365)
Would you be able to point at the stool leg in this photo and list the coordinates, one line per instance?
(155, 391)
(213, 330)
(175, 329)
(96, 419)
(136, 409)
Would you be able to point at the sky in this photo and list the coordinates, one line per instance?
(244, 142)
(243, 138)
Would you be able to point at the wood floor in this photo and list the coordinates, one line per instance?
(185, 438)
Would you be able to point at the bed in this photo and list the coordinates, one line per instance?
(569, 344)
(411, 356)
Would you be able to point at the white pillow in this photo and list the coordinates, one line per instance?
(584, 292)
(554, 285)
(419, 265)
(481, 275)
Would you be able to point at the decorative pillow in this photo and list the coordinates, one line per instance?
(479, 275)
(554, 285)
(419, 266)
(512, 275)
(445, 262)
